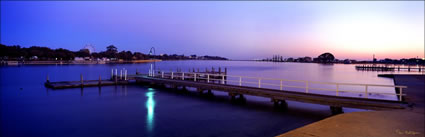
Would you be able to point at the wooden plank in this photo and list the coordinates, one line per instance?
(86, 83)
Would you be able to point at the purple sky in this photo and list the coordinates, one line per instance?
(237, 29)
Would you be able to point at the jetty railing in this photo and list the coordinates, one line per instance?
(222, 78)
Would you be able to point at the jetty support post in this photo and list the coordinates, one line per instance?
(116, 79)
(112, 74)
(208, 78)
(283, 104)
(121, 74)
(232, 96)
(47, 78)
(280, 104)
(125, 74)
(116, 74)
(200, 90)
(275, 103)
(222, 79)
(242, 99)
(81, 80)
(225, 73)
(209, 93)
(100, 81)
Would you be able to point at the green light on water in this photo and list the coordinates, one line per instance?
(150, 105)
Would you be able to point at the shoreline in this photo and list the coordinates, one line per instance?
(389, 123)
(15, 63)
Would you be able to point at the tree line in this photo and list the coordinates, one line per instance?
(17, 52)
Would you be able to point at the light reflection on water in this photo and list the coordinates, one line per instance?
(150, 105)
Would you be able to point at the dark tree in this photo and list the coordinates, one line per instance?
(64, 54)
(111, 49)
(83, 53)
(326, 58)
(111, 52)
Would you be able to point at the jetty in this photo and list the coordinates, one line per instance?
(388, 68)
(239, 86)
(115, 79)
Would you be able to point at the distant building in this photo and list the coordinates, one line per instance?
(33, 58)
(78, 59)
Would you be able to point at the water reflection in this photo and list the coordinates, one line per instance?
(81, 91)
(150, 105)
(100, 91)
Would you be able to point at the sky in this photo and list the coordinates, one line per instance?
(232, 29)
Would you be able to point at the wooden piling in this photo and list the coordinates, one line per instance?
(100, 81)
(81, 80)
(47, 78)
(225, 73)
(200, 90)
(112, 74)
(232, 96)
(275, 103)
(283, 104)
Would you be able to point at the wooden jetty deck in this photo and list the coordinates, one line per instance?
(85, 83)
(114, 80)
(279, 96)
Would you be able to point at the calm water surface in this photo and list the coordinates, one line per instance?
(30, 109)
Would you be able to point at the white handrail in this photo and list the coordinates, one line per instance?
(223, 79)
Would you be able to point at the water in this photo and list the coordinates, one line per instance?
(29, 109)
